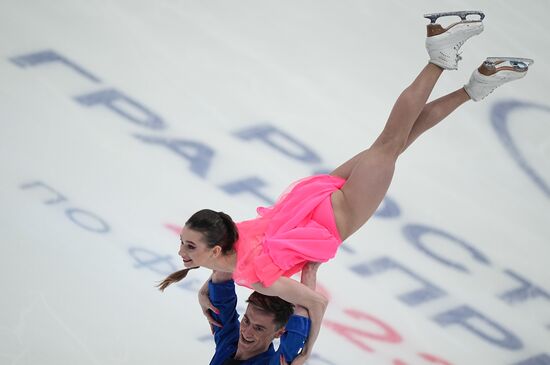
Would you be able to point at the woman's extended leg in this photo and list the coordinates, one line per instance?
(435, 111)
(432, 113)
(372, 172)
(368, 175)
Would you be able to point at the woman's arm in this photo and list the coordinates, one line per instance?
(309, 279)
(299, 324)
(299, 294)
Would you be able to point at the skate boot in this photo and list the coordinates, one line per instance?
(443, 43)
(494, 72)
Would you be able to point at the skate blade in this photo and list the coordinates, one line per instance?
(462, 14)
(519, 64)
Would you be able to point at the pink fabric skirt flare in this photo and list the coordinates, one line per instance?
(299, 228)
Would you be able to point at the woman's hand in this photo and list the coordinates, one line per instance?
(206, 305)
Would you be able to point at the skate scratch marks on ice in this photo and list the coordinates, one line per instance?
(69, 331)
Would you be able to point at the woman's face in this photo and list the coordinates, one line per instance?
(193, 249)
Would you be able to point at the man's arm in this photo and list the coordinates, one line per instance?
(298, 326)
(221, 292)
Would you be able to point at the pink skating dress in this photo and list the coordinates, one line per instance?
(299, 228)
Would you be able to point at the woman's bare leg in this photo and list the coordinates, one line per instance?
(433, 113)
(368, 175)
(373, 169)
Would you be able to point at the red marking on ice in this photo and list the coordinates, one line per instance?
(358, 336)
(434, 359)
(174, 228)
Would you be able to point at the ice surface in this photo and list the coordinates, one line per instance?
(118, 119)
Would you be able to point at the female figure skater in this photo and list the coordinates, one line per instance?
(311, 220)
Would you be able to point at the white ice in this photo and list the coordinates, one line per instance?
(88, 196)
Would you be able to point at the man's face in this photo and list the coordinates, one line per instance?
(257, 332)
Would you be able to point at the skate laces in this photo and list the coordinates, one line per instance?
(458, 45)
(491, 91)
(456, 48)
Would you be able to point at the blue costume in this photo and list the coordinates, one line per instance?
(223, 296)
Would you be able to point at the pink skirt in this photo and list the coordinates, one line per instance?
(299, 228)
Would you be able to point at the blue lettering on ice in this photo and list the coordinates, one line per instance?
(345, 246)
(415, 232)
(206, 338)
(526, 291)
(111, 98)
(161, 264)
(426, 293)
(198, 154)
(58, 197)
(542, 359)
(321, 171)
(500, 118)
(87, 220)
(250, 185)
(82, 218)
(48, 56)
(280, 141)
(388, 209)
(124, 106)
(467, 317)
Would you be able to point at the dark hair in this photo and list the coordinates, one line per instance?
(281, 309)
(217, 228)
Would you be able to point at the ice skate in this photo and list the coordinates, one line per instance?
(443, 43)
(494, 72)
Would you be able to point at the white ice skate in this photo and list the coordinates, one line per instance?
(494, 72)
(443, 43)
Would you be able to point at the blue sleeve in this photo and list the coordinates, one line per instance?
(293, 340)
(223, 297)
